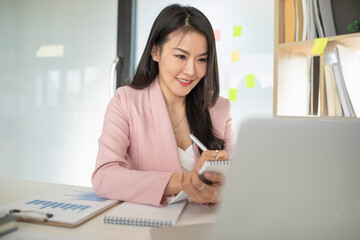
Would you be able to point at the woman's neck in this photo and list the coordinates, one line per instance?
(173, 103)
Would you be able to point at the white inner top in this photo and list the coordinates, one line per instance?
(187, 158)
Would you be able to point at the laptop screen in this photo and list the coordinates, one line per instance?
(293, 179)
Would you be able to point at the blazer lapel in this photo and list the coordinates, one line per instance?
(163, 128)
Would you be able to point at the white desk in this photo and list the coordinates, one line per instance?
(13, 190)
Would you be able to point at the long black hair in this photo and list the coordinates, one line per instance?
(205, 94)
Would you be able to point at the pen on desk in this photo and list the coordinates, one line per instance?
(18, 213)
(32, 218)
(198, 143)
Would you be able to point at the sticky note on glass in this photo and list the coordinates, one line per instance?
(233, 94)
(250, 81)
(319, 46)
(235, 56)
(50, 51)
(217, 34)
(237, 31)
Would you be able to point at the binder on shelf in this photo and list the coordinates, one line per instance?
(315, 84)
(299, 20)
(311, 21)
(305, 20)
(327, 18)
(338, 107)
(290, 21)
(349, 62)
(329, 93)
(317, 19)
(332, 95)
(344, 98)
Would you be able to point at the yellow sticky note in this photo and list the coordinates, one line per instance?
(233, 94)
(217, 34)
(250, 81)
(319, 46)
(235, 56)
(237, 31)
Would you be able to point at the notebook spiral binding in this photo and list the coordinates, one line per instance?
(220, 162)
(137, 222)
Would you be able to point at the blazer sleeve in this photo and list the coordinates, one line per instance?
(113, 177)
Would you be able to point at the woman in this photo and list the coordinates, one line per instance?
(145, 146)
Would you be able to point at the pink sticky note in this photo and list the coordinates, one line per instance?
(217, 34)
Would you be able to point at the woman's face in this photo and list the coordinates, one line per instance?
(182, 63)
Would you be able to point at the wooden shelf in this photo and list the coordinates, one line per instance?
(304, 47)
(291, 64)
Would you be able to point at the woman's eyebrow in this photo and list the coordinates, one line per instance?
(186, 52)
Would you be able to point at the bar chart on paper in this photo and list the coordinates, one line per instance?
(76, 195)
(41, 204)
(69, 205)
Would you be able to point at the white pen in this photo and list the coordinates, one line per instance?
(198, 143)
(203, 148)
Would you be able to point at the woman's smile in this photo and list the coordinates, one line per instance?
(184, 82)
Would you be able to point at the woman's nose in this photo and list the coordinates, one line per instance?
(190, 68)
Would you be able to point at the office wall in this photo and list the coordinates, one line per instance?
(55, 60)
(53, 99)
(245, 60)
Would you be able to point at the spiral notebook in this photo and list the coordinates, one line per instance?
(220, 166)
(145, 215)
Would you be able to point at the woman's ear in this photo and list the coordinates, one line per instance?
(155, 53)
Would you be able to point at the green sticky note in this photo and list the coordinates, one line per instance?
(319, 46)
(235, 56)
(237, 31)
(250, 81)
(233, 94)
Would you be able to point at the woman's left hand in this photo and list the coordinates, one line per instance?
(197, 189)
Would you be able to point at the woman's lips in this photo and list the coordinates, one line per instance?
(184, 82)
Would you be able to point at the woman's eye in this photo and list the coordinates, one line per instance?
(180, 56)
(202, 59)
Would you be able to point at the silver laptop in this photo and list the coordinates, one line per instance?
(291, 179)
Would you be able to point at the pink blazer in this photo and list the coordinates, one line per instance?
(137, 148)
